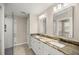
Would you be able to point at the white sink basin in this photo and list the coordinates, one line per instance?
(60, 45)
(51, 41)
(37, 36)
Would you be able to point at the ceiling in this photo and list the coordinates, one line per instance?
(32, 8)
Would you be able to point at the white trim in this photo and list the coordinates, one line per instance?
(2, 29)
(20, 44)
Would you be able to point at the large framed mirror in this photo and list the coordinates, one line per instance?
(63, 23)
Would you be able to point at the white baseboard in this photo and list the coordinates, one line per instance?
(20, 44)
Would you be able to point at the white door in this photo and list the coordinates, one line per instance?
(8, 33)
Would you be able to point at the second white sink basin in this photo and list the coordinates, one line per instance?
(60, 45)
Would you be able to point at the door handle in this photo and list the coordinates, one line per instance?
(5, 26)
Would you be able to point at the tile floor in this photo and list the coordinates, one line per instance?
(20, 50)
(23, 50)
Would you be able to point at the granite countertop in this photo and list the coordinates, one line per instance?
(68, 49)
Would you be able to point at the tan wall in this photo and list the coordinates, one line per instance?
(33, 24)
(76, 22)
(21, 30)
(50, 21)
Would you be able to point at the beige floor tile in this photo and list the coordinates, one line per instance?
(23, 50)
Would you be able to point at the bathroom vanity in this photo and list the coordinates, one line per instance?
(51, 45)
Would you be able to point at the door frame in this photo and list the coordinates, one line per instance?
(2, 29)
